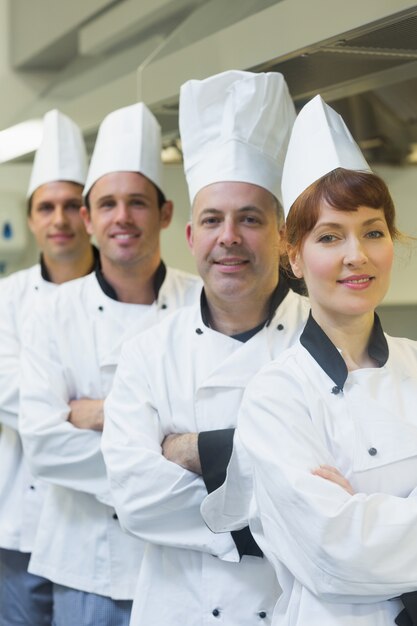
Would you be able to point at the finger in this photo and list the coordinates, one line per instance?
(335, 477)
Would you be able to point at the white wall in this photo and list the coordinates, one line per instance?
(402, 182)
(175, 251)
(14, 180)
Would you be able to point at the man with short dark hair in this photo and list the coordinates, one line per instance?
(55, 197)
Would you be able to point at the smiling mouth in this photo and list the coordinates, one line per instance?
(231, 263)
(125, 236)
(61, 236)
(356, 281)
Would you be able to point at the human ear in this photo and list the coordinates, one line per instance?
(189, 236)
(86, 217)
(167, 210)
(294, 258)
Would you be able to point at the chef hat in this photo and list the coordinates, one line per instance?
(235, 126)
(128, 140)
(320, 142)
(61, 155)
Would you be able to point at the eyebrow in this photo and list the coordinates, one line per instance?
(372, 220)
(244, 209)
(44, 203)
(111, 196)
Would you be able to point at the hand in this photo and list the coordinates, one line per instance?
(183, 450)
(87, 414)
(332, 473)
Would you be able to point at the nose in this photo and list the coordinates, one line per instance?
(229, 234)
(60, 216)
(122, 213)
(355, 254)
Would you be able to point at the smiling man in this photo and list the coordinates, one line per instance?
(169, 422)
(54, 200)
(70, 356)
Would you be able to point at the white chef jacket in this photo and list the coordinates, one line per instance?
(340, 559)
(70, 352)
(21, 494)
(189, 574)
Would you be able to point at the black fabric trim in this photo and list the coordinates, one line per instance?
(109, 290)
(248, 334)
(378, 345)
(46, 275)
(204, 308)
(317, 343)
(408, 616)
(278, 295)
(215, 449)
(245, 543)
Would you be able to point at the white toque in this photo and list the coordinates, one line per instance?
(235, 126)
(128, 140)
(61, 155)
(320, 142)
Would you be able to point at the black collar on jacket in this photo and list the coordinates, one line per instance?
(107, 288)
(317, 343)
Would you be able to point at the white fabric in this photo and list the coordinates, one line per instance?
(339, 558)
(128, 140)
(70, 352)
(235, 126)
(320, 142)
(21, 495)
(61, 155)
(197, 386)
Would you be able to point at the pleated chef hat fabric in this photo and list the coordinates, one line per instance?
(61, 155)
(235, 126)
(128, 140)
(320, 142)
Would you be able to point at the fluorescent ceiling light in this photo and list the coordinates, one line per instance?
(21, 139)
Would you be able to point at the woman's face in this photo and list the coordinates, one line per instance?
(345, 261)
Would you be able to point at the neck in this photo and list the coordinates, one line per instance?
(132, 284)
(60, 271)
(235, 317)
(350, 335)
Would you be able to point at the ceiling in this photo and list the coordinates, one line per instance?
(89, 57)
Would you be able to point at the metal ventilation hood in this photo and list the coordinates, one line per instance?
(361, 56)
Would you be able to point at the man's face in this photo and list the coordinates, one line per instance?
(125, 218)
(235, 238)
(55, 220)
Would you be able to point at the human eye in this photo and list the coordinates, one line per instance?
(138, 202)
(327, 238)
(107, 204)
(210, 220)
(251, 219)
(45, 208)
(375, 234)
(73, 206)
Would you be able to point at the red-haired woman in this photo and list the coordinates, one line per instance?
(345, 397)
